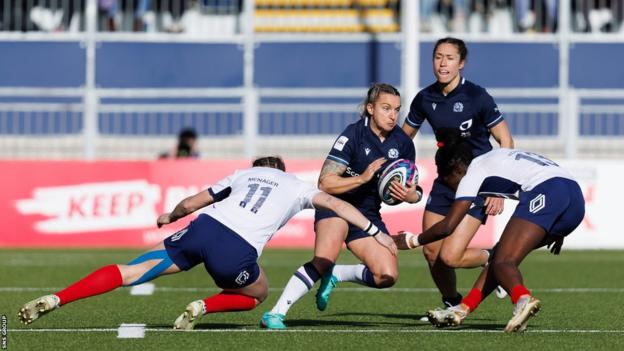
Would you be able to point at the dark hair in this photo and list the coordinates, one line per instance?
(373, 93)
(270, 161)
(459, 44)
(185, 148)
(453, 151)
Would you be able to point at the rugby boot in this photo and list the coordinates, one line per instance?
(32, 310)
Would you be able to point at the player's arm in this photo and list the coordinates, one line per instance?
(495, 205)
(502, 135)
(439, 231)
(409, 130)
(351, 214)
(332, 182)
(186, 207)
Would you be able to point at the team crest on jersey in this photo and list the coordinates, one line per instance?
(242, 278)
(340, 143)
(393, 153)
(433, 105)
(458, 107)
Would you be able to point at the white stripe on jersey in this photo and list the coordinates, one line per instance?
(524, 168)
(262, 200)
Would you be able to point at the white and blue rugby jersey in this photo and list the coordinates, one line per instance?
(258, 201)
(504, 172)
(468, 108)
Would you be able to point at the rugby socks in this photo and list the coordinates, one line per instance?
(452, 301)
(357, 273)
(299, 284)
(473, 299)
(100, 281)
(517, 292)
(228, 302)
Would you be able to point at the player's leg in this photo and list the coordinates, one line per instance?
(518, 239)
(147, 266)
(230, 260)
(330, 236)
(380, 267)
(228, 300)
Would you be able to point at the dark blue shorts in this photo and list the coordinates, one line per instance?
(557, 205)
(228, 258)
(442, 197)
(354, 232)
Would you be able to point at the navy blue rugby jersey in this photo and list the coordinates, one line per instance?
(468, 108)
(356, 147)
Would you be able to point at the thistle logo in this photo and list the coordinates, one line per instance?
(242, 278)
(393, 153)
(538, 203)
(93, 207)
(458, 107)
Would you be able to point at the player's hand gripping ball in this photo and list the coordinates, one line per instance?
(402, 171)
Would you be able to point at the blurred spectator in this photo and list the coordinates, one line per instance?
(186, 147)
(113, 10)
(528, 18)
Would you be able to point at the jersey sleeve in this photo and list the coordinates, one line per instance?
(416, 115)
(306, 194)
(222, 189)
(469, 186)
(342, 150)
(489, 110)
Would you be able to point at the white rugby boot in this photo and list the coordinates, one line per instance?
(32, 310)
(526, 307)
(449, 317)
(187, 320)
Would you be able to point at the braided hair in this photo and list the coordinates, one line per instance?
(453, 151)
(270, 161)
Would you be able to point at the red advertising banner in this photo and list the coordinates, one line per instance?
(115, 204)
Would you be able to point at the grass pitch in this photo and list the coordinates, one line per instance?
(581, 293)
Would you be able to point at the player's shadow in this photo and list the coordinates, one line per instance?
(384, 315)
(207, 326)
(329, 322)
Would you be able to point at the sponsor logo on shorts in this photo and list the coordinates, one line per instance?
(242, 278)
(538, 203)
(178, 235)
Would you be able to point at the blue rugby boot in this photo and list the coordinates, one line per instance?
(328, 283)
(272, 321)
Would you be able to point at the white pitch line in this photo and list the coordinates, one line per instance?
(366, 290)
(320, 331)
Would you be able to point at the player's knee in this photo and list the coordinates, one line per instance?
(501, 263)
(431, 254)
(385, 280)
(451, 259)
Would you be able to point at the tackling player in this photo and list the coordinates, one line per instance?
(245, 210)
(550, 206)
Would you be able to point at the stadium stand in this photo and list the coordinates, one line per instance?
(146, 87)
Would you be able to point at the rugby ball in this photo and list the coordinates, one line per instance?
(401, 170)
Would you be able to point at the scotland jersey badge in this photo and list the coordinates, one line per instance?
(458, 107)
(393, 153)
